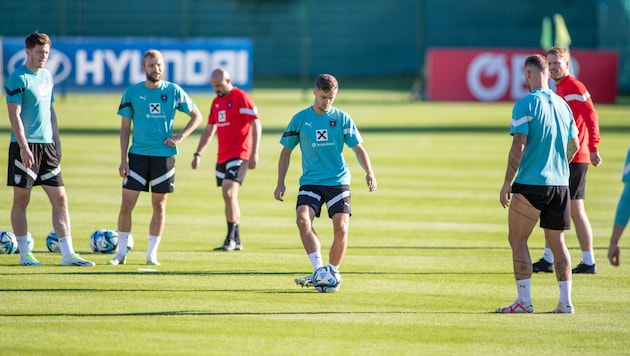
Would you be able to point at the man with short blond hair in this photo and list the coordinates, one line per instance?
(579, 99)
(322, 131)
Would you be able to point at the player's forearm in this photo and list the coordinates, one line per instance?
(572, 147)
(195, 120)
(256, 135)
(515, 156)
(124, 143)
(206, 138)
(16, 124)
(283, 165)
(18, 131)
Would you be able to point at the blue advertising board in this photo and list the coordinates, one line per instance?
(93, 64)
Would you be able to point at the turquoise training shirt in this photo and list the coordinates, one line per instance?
(321, 139)
(547, 121)
(152, 112)
(34, 92)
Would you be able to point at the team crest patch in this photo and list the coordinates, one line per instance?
(229, 105)
(164, 97)
(332, 123)
(17, 178)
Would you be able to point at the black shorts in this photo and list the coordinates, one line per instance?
(337, 198)
(232, 169)
(577, 180)
(156, 173)
(552, 201)
(45, 170)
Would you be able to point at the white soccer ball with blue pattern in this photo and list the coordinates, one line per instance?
(104, 241)
(52, 242)
(8, 243)
(326, 279)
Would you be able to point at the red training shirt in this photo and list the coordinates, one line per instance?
(232, 114)
(579, 99)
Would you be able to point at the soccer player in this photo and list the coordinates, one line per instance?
(149, 164)
(321, 130)
(579, 99)
(35, 151)
(622, 215)
(544, 141)
(234, 119)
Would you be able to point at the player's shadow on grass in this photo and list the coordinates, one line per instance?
(239, 273)
(220, 313)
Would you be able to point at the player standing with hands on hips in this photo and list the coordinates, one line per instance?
(545, 139)
(322, 130)
(35, 151)
(579, 99)
(149, 164)
(234, 119)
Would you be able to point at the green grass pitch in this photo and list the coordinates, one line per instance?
(428, 259)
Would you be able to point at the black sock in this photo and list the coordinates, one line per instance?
(237, 235)
(231, 229)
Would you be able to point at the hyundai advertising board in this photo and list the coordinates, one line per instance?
(93, 65)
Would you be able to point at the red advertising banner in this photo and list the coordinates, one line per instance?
(460, 74)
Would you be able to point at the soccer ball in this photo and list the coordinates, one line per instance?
(52, 242)
(8, 243)
(326, 280)
(104, 241)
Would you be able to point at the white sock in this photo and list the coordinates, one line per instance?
(316, 259)
(123, 240)
(565, 292)
(65, 246)
(335, 268)
(588, 258)
(548, 255)
(154, 242)
(523, 288)
(23, 244)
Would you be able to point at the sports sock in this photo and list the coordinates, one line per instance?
(548, 255)
(588, 258)
(565, 292)
(523, 288)
(237, 233)
(316, 259)
(23, 244)
(154, 242)
(123, 241)
(231, 230)
(335, 268)
(65, 246)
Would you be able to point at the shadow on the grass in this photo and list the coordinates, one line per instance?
(236, 273)
(220, 313)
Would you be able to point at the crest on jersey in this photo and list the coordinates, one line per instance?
(164, 97)
(332, 123)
